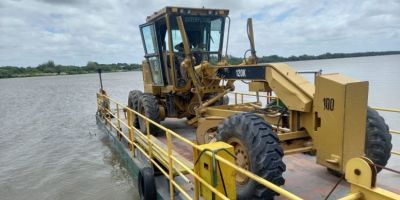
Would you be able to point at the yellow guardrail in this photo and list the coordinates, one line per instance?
(391, 131)
(148, 150)
(269, 97)
(388, 110)
(257, 95)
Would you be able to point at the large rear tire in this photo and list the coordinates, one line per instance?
(378, 140)
(149, 107)
(133, 100)
(378, 143)
(257, 149)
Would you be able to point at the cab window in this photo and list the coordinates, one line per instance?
(149, 38)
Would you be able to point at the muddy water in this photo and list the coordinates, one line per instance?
(51, 148)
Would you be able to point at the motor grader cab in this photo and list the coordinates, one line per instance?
(185, 76)
(163, 44)
(166, 73)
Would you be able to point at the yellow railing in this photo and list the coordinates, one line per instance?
(391, 131)
(257, 95)
(148, 150)
(388, 110)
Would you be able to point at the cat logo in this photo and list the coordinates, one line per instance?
(241, 73)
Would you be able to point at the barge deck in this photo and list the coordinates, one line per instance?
(304, 177)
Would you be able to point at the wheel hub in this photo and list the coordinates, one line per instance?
(242, 159)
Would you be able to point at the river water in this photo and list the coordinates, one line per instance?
(51, 147)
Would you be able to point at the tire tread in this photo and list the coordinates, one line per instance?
(378, 144)
(268, 164)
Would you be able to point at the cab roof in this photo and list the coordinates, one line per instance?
(187, 11)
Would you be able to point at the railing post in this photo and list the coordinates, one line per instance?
(235, 98)
(196, 170)
(108, 110)
(170, 164)
(118, 122)
(258, 97)
(97, 100)
(149, 139)
(103, 104)
(241, 97)
(131, 132)
(132, 138)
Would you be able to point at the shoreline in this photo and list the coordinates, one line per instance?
(62, 74)
(85, 72)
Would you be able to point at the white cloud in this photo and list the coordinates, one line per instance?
(106, 31)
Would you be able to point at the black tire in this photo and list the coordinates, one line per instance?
(378, 140)
(133, 100)
(147, 184)
(378, 143)
(148, 106)
(264, 152)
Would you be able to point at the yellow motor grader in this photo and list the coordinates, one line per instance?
(186, 75)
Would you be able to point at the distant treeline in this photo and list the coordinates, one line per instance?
(50, 68)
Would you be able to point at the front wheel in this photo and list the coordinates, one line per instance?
(133, 100)
(149, 107)
(256, 149)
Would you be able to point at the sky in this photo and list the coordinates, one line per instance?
(73, 32)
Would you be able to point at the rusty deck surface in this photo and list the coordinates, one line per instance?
(303, 176)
